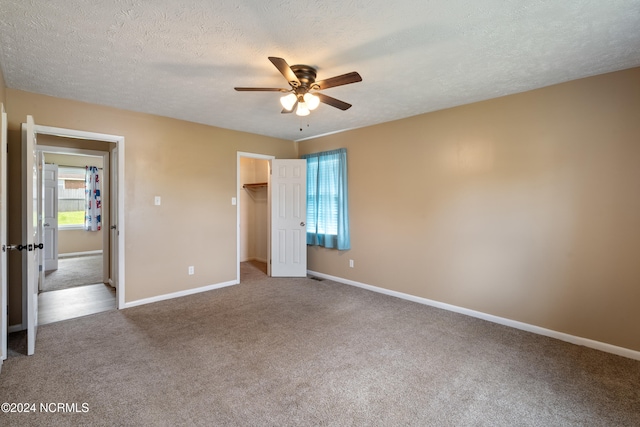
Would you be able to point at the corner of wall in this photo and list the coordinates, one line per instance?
(3, 87)
(296, 147)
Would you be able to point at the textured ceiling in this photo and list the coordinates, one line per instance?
(182, 58)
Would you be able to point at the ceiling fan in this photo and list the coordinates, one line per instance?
(303, 92)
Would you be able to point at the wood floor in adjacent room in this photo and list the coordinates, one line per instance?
(54, 306)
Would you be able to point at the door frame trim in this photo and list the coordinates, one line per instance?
(119, 190)
(267, 157)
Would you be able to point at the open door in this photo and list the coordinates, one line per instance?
(3, 235)
(50, 225)
(31, 230)
(113, 219)
(288, 190)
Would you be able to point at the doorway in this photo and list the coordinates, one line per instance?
(76, 279)
(33, 274)
(79, 276)
(253, 214)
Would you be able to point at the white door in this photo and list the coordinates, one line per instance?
(3, 235)
(288, 188)
(30, 231)
(50, 225)
(113, 219)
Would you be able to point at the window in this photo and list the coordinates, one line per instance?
(71, 197)
(327, 201)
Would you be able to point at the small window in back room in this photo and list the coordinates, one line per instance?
(71, 197)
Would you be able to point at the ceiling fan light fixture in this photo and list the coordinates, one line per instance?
(302, 79)
(288, 101)
(302, 109)
(311, 100)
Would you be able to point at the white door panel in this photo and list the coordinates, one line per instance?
(31, 231)
(288, 218)
(113, 218)
(50, 217)
(3, 234)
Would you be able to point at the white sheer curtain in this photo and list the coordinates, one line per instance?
(92, 200)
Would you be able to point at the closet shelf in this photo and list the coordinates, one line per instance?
(255, 186)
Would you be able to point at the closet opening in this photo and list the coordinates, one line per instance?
(253, 215)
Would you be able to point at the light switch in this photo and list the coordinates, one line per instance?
(234, 201)
(157, 201)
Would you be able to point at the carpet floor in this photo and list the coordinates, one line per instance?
(73, 272)
(303, 352)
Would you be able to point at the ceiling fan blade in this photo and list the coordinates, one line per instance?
(344, 79)
(285, 70)
(260, 89)
(332, 101)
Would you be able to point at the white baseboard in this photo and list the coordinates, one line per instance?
(255, 259)
(597, 345)
(15, 328)
(179, 294)
(77, 254)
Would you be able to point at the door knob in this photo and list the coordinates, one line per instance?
(46, 224)
(14, 247)
(302, 224)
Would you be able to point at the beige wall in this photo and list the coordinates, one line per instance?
(61, 159)
(191, 166)
(525, 207)
(75, 241)
(253, 214)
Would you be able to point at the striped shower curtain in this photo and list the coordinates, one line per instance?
(92, 201)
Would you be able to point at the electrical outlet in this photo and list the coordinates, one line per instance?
(351, 263)
(192, 270)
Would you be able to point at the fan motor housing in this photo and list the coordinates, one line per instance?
(304, 73)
